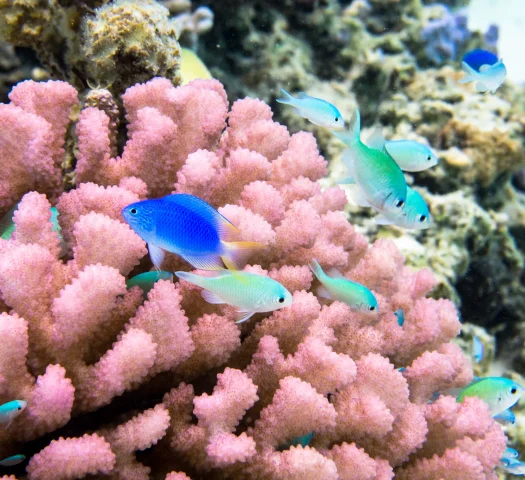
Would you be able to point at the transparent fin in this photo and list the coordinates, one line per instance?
(316, 269)
(323, 292)
(357, 196)
(242, 316)
(156, 254)
(204, 262)
(211, 297)
(376, 140)
(286, 99)
(382, 220)
(235, 254)
(334, 273)
(471, 74)
(481, 87)
(348, 161)
(191, 278)
(346, 181)
(302, 95)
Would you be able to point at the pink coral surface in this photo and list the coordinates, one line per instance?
(74, 338)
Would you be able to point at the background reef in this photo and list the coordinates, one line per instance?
(399, 61)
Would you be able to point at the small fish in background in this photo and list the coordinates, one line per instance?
(248, 292)
(506, 417)
(318, 111)
(336, 287)
(400, 317)
(485, 69)
(13, 460)
(380, 180)
(10, 410)
(302, 441)
(190, 227)
(411, 156)
(514, 467)
(478, 350)
(415, 214)
(146, 281)
(499, 393)
(510, 453)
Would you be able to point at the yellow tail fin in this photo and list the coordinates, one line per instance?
(236, 254)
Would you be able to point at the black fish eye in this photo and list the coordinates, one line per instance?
(400, 203)
(281, 299)
(336, 119)
(372, 308)
(19, 408)
(133, 211)
(429, 158)
(513, 390)
(422, 218)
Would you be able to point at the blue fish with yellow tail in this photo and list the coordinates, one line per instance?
(188, 226)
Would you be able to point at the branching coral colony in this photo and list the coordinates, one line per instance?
(235, 396)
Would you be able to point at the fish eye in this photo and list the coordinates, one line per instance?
(19, 408)
(281, 300)
(513, 390)
(133, 211)
(336, 119)
(400, 203)
(422, 218)
(429, 158)
(371, 308)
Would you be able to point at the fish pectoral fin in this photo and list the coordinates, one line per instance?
(242, 315)
(204, 262)
(235, 254)
(357, 196)
(382, 220)
(156, 254)
(481, 87)
(376, 140)
(323, 292)
(211, 297)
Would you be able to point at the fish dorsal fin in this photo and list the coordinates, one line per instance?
(484, 68)
(376, 140)
(204, 262)
(198, 206)
(211, 297)
(357, 196)
(334, 273)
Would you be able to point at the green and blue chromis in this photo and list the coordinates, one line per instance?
(249, 292)
(146, 281)
(375, 172)
(411, 156)
(499, 393)
(190, 227)
(10, 410)
(356, 296)
(316, 110)
(13, 460)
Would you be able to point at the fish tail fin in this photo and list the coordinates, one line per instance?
(286, 98)
(471, 74)
(235, 254)
(352, 136)
(316, 269)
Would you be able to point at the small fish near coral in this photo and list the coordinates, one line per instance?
(336, 287)
(12, 461)
(249, 292)
(485, 69)
(190, 227)
(10, 410)
(146, 281)
(318, 111)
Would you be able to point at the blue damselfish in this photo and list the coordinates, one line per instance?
(188, 226)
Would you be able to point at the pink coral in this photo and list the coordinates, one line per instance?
(75, 337)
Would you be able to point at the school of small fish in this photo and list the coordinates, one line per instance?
(188, 226)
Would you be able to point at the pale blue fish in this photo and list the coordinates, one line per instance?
(190, 227)
(401, 369)
(146, 281)
(488, 77)
(248, 292)
(13, 460)
(499, 393)
(380, 180)
(303, 441)
(316, 110)
(336, 287)
(478, 349)
(515, 467)
(400, 317)
(510, 453)
(10, 410)
(506, 417)
(414, 215)
(411, 156)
